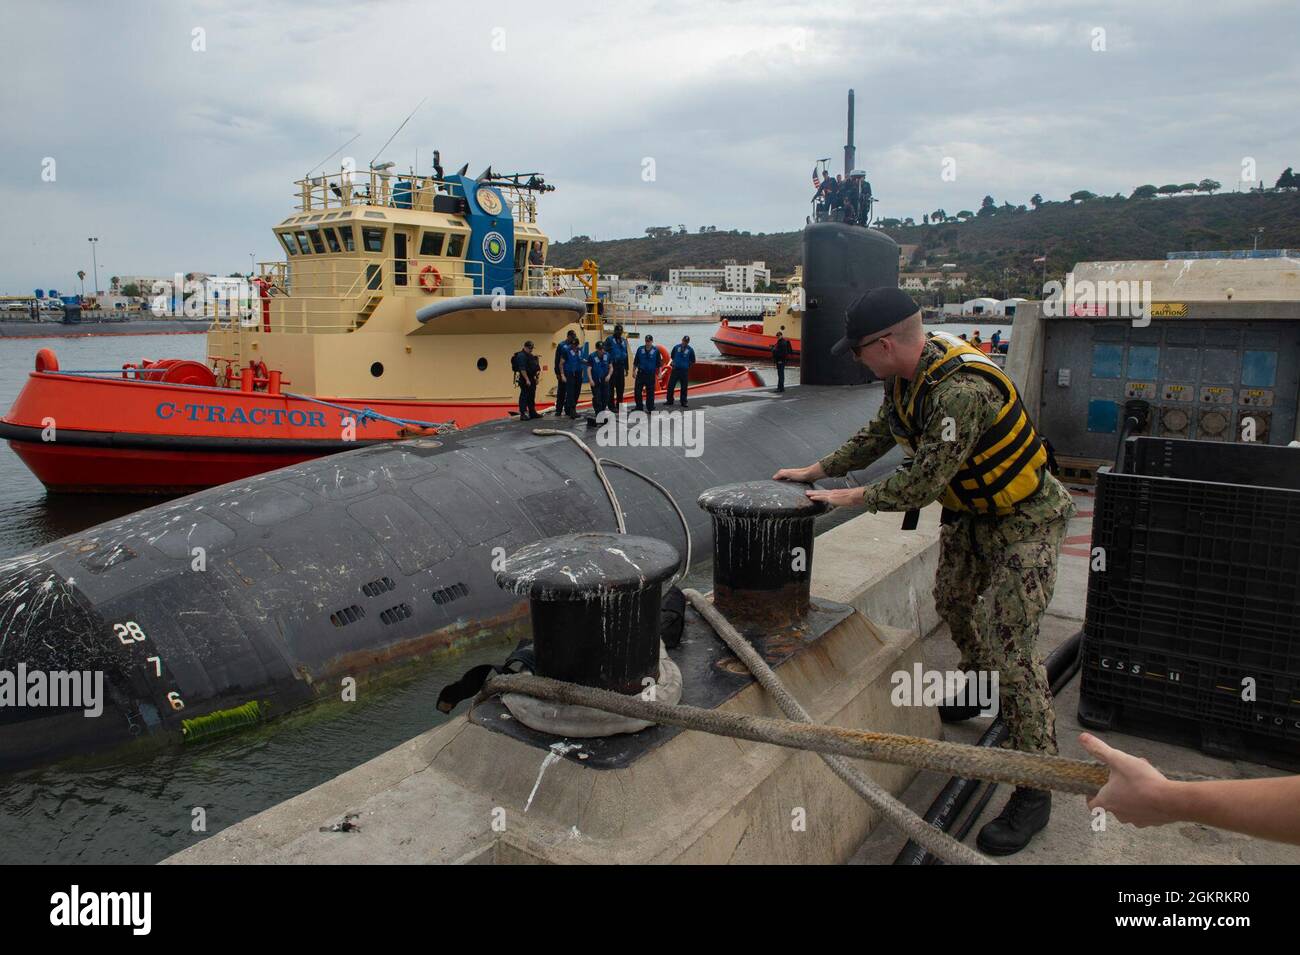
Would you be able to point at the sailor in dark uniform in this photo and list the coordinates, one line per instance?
(526, 368)
(616, 348)
(780, 355)
(647, 362)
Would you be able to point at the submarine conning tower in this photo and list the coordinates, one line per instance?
(762, 551)
(840, 262)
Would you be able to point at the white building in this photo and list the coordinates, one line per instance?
(730, 276)
(974, 306)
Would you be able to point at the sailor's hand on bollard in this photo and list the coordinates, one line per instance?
(838, 497)
(812, 472)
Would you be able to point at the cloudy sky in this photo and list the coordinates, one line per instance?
(177, 128)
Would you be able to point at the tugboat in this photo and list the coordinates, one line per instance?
(394, 314)
(755, 339)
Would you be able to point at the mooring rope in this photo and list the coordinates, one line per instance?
(1035, 770)
(909, 823)
(361, 414)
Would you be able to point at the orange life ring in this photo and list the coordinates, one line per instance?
(260, 374)
(437, 279)
(46, 360)
(665, 369)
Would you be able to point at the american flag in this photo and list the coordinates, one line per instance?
(817, 180)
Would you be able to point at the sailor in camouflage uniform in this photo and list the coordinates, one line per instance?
(972, 447)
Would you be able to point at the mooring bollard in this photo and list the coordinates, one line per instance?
(594, 600)
(762, 551)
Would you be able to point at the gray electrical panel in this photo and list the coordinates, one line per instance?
(1213, 379)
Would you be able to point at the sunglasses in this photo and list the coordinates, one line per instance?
(857, 349)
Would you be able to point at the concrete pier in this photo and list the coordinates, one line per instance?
(701, 798)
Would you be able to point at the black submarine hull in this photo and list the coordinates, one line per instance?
(273, 591)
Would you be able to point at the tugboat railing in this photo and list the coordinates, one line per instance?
(399, 190)
(372, 187)
(352, 278)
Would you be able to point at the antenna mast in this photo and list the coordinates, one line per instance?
(850, 152)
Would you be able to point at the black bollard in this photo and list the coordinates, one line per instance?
(594, 600)
(762, 551)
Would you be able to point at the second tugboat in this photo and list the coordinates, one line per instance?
(395, 313)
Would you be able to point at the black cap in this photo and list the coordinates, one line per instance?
(873, 312)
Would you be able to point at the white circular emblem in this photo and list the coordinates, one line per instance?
(494, 247)
(488, 200)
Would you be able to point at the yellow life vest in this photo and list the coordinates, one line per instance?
(1007, 462)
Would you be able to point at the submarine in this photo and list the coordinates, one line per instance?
(242, 602)
(250, 599)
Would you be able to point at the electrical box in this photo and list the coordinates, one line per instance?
(1213, 379)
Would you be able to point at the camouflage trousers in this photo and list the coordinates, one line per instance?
(1013, 559)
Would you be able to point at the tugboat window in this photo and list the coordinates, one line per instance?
(289, 245)
(372, 239)
(316, 242)
(431, 243)
(345, 234)
(303, 247)
(456, 245)
(482, 364)
(377, 369)
(332, 240)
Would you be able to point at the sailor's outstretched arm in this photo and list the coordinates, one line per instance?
(1137, 793)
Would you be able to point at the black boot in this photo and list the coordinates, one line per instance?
(1025, 813)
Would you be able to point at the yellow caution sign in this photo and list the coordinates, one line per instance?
(1168, 309)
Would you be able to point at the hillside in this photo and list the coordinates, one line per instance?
(985, 246)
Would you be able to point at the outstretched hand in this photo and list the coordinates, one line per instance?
(1134, 791)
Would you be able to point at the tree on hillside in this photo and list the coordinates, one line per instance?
(1208, 186)
(1083, 195)
(1035, 200)
(988, 207)
(1170, 189)
(1288, 180)
(938, 215)
(1144, 192)
(965, 215)
(889, 223)
(925, 219)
